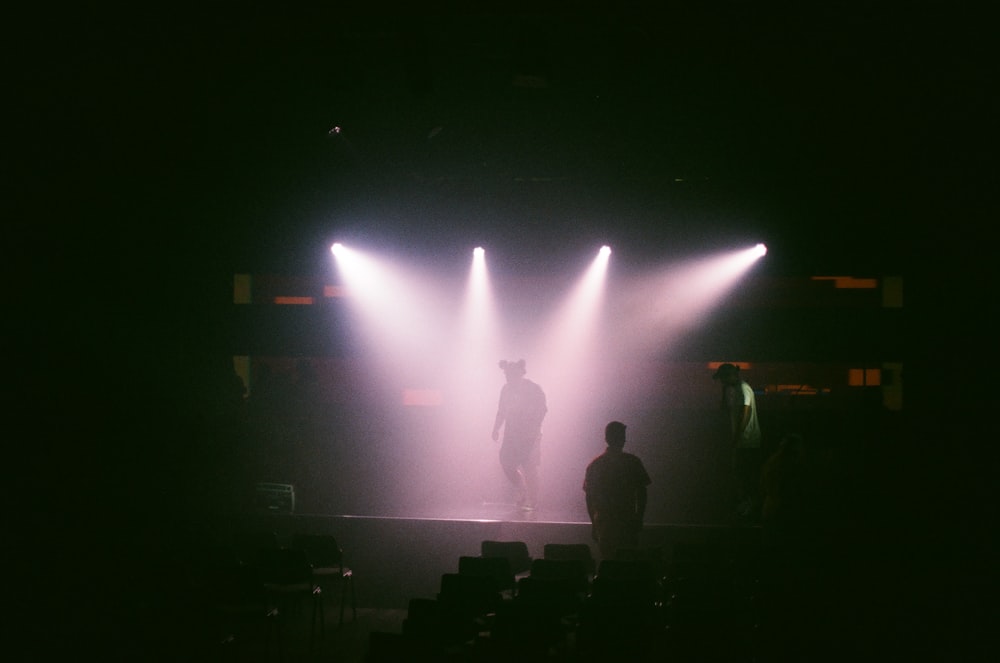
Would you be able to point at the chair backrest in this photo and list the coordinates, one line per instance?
(654, 557)
(548, 596)
(516, 553)
(580, 551)
(637, 593)
(469, 594)
(497, 568)
(628, 569)
(322, 550)
(572, 571)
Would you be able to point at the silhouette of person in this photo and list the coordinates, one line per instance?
(615, 486)
(521, 410)
(740, 405)
(783, 491)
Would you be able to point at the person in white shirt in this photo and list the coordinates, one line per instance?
(740, 405)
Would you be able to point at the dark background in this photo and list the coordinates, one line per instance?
(158, 150)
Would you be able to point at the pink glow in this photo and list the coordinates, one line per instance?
(429, 354)
(658, 309)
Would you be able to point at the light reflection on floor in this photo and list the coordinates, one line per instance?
(485, 512)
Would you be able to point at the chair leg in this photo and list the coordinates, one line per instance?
(343, 591)
(347, 585)
(354, 601)
(318, 615)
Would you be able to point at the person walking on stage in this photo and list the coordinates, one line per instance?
(520, 413)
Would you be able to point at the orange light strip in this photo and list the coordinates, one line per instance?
(742, 365)
(849, 282)
(298, 301)
(795, 389)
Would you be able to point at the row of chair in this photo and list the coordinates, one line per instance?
(251, 583)
(508, 604)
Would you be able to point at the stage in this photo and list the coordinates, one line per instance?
(397, 558)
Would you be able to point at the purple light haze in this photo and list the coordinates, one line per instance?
(587, 343)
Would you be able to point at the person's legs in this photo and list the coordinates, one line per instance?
(747, 470)
(532, 477)
(509, 463)
(531, 481)
(516, 479)
(612, 535)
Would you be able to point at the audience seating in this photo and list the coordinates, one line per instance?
(497, 568)
(239, 618)
(516, 553)
(288, 580)
(578, 551)
(326, 558)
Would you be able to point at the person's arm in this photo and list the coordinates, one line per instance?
(741, 425)
(497, 423)
(592, 512)
(641, 496)
(501, 416)
(542, 409)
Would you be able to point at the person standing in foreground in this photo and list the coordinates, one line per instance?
(740, 405)
(615, 486)
(521, 411)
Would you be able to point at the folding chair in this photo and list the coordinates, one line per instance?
(516, 553)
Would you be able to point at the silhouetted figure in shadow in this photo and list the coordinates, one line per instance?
(740, 404)
(615, 487)
(521, 410)
(783, 492)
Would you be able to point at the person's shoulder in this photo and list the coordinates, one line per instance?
(597, 460)
(635, 460)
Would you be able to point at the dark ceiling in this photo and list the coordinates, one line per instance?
(249, 140)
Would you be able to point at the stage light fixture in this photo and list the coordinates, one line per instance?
(337, 248)
(478, 252)
(605, 251)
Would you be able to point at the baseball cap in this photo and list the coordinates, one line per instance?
(726, 369)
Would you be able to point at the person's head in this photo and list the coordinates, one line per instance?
(727, 374)
(614, 434)
(513, 370)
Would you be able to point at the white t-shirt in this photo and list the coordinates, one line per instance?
(751, 434)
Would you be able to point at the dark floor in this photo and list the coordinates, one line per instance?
(853, 594)
(346, 644)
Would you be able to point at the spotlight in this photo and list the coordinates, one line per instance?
(605, 251)
(760, 250)
(478, 252)
(337, 248)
